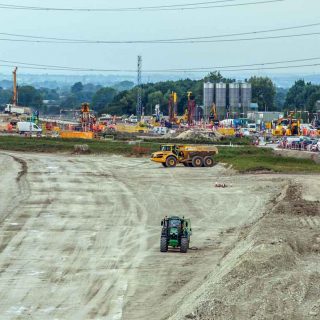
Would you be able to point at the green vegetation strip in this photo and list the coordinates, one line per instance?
(242, 158)
(253, 159)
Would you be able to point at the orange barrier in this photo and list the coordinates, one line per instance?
(76, 135)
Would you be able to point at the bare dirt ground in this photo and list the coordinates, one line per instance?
(79, 239)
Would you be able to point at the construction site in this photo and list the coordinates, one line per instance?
(94, 236)
(159, 161)
(80, 239)
(88, 235)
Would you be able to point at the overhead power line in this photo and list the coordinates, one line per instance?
(243, 67)
(169, 40)
(173, 7)
(165, 42)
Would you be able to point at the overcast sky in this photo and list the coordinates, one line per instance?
(154, 25)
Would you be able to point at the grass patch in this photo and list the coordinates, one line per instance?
(252, 159)
(245, 141)
(243, 158)
(52, 145)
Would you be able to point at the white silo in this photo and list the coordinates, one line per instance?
(221, 100)
(246, 96)
(208, 93)
(234, 99)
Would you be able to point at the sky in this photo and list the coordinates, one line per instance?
(159, 25)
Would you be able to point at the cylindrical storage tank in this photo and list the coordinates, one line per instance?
(221, 100)
(234, 99)
(246, 96)
(208, 93)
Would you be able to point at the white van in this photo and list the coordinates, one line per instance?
(252, 127)
(28, 127)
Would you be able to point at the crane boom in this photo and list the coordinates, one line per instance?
(15, 91)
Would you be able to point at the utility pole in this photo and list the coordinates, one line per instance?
(139, 96)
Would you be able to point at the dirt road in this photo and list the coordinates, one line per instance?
(79, 236)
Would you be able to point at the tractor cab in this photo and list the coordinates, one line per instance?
(175, 233)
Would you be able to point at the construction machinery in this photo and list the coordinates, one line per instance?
(173, 99)
(190, 156)
(183, 119)
(191, 108)
(175, 233)
(213, 117)
(87, 119)
(287, 126)
(13, 108)
(15, 90)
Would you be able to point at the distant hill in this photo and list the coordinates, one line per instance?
(65, 81)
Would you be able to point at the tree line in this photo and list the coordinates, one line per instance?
(122, 97)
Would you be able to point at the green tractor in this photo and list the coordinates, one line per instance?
(175, 233)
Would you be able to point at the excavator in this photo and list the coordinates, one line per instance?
(213, 117)
(287, 126)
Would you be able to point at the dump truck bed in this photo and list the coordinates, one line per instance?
(199, 148)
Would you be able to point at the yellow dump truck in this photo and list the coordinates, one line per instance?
(190, 156)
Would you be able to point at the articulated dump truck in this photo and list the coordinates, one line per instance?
(190, 156)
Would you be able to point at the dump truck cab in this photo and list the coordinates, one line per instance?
(190, 156)
(167, 156)
(175, 233)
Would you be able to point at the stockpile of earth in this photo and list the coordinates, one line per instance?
(194, 135)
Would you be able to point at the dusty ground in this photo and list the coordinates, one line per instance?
(79, 239)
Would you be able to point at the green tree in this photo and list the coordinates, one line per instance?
(263, 92)
(154, 98)
(48, 94)
(77, 87)
(216, 76)
(302, 95)
(280, 98)
(312, 101)
(123, 85)
(102, 98)
(30, 97)
(5, 96)
(69, 102)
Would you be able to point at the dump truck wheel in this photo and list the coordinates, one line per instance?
(171, 162)
(164, 164)
(197, 162)
(163, 244)
(208, 162)
(184, 245)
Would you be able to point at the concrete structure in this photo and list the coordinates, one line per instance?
(259, 117)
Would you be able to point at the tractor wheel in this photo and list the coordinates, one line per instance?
(197, 162)
(163, 244)
(164, 164)
(208, 162)
(184, 245)
(171, 162)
